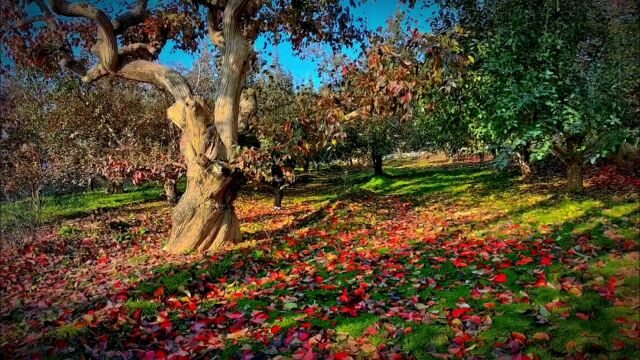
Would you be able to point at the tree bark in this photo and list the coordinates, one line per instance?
(575, 181)
(377, 164)
(204, 219)
(236, 54)
(171, 191)
(305, 165)
(522, 160)
(90, 183)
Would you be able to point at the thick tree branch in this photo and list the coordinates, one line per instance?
(213, 26)
(105, 47)
(364, 111)
(133, 48)
(236, 58)
(156, 74)
(131, 17)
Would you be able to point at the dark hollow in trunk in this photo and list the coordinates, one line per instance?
(377, 164)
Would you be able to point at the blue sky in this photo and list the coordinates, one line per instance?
(375, 14)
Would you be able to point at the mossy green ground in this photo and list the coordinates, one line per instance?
(387, 266)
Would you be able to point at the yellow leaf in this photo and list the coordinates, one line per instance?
(471, 59)
(541, 336)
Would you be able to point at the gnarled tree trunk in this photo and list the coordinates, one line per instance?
(204, 217)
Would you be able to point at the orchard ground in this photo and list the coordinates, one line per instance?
(429, 261)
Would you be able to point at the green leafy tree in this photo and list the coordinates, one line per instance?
(553, 77)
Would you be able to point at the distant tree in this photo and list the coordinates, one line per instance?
(23, 159)
(114, 130)
(381, 88)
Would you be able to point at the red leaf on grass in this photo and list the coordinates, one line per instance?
(546, 261)
(456, 313)
(159, 292)
(582, 316)
(459, 263)
(500, 278)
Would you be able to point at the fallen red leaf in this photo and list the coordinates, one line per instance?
(500, 278)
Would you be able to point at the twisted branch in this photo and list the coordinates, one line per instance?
(105, 48)
(130, 18)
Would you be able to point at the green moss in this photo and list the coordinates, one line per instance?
(425, 339)
(68, 331)
(357, 325)
(149, 308)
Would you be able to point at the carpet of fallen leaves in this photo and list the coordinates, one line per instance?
(362, 276)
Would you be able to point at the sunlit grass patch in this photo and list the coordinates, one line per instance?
(622, 210)
(355, 327)
(425, 339)
(566, 210)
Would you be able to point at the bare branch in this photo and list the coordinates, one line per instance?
(105, 48)
(131, 17)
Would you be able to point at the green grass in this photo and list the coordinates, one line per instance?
(149, 309)
(15, 214)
